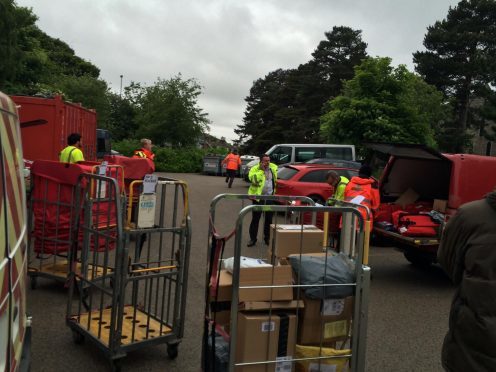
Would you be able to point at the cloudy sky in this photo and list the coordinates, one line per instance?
(226, 45)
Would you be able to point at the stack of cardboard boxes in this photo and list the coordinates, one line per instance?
(270, 321)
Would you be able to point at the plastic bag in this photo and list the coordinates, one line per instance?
(244, 263)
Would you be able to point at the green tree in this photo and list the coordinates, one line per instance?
(9, 51)
(286, 105)
(122, 117)
(383, 104)
(168, 111)
(460, 60)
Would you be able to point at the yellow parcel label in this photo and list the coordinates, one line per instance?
(336, 329)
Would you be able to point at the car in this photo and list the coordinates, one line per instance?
(336, 162)
(309, 180)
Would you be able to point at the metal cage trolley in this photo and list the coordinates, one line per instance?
(142, 302)
(52, 215)
(304, 308)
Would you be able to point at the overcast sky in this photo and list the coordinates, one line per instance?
(226, 45)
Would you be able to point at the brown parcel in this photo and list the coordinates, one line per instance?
(258, 276)
(329, 318)
(291, 239)
(440, 205)
(258, 340)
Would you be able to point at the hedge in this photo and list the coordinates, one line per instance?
(176, 160)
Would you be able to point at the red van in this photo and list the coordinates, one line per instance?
(420, 189)
(15, 326)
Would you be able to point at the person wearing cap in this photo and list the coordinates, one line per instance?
(145, 152)
(72, 153)
(232, 162)
(362, 189)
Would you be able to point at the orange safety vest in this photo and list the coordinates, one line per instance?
(143, 153)
(363, 186)
(233, 161)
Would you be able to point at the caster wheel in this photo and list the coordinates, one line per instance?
(77, 337)
(34, 282)
(116, 365)
(172, 351)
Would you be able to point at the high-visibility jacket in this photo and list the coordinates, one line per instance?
(232, 161)
(71, 154)
(143, 153)
(257, 179)
(364, 187)
(340, 187)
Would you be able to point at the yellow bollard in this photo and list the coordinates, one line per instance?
(366, 243)
(326, 227)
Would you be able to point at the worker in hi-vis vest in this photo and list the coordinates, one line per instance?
(145, 152)
(72, 153)
(232, 162)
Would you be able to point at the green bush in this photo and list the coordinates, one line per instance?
(175, 160)
(126, 147)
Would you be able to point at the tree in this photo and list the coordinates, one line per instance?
(9, 51)
(286, 105)
(383, 104)
(168, 111)
(89, 91)
(122, 117)
(460, 60)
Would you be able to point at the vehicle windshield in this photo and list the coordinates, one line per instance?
(285, 173)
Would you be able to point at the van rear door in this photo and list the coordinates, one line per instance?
(416, 167)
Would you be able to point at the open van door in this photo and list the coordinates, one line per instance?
(14, 324)
(421, 175)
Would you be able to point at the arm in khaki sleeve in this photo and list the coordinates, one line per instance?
(452, 248)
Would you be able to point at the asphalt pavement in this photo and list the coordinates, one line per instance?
(408, 312)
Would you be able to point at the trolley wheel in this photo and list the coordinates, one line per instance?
(418, 260)
(77, 337)
(34, 282)
(116, 365)
(172, 350)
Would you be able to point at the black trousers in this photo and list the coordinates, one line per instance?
(230, 174)
(255, 220)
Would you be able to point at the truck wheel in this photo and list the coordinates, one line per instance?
(417, 259)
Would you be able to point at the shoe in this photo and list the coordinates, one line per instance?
(251, 243)
(227, 180)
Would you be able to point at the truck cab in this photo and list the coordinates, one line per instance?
(15, 329)
(420, 190)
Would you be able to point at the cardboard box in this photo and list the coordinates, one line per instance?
(440, 205)
(258, 276)
(291, 239)
(260, 339)
(329, 319)
(408, 197)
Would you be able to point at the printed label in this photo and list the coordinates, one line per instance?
(268, 326)
(284, 364)
(146, 210)
(149, 183)
(333, 307)
(101, 188)
(102, 169)
(336, 329)
(315, 367)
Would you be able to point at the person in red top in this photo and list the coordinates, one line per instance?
(145, 152)
(233, 162)
(363, 190)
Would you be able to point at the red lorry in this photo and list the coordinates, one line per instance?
(420, 189)
(46, 123)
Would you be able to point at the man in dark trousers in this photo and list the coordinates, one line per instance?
(263, 178)
(468, 255)
(232, 162)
